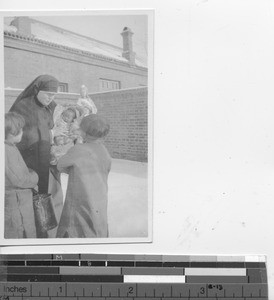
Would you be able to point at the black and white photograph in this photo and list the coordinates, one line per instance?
(78, 127)
(141, 129)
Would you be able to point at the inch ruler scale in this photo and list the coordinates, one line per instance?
(140, 277)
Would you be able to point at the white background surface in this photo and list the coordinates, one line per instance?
(213, 127)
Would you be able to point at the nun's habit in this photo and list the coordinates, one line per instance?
(36, 139)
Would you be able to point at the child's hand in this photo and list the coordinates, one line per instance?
(53, 161)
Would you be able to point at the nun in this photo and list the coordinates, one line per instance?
(36, 104)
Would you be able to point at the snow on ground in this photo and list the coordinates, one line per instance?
(127, 199)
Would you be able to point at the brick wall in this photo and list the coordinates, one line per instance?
(24, 61)
(127, 113)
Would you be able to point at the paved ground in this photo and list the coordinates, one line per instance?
(128, 201)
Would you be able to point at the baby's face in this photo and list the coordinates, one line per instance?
(59, 140)
(68, 116)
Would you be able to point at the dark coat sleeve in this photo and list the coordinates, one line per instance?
(36, 139)
(16, 171)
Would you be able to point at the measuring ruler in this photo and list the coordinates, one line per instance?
(116, 276)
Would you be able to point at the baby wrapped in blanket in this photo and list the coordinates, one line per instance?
(65, 131)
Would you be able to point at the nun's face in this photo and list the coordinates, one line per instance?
(45, 98)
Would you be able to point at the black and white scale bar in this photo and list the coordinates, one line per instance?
(122, 278)
(254, 275)
(123, 261)
(173, 264)
(60, 278)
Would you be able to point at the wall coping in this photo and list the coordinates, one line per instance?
(121, 90)
(142, 88)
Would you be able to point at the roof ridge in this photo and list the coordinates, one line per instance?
(74, 33)
(34, 39)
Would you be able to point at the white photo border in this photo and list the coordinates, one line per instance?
(82, 241)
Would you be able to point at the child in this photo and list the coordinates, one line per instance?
(85, 210)
(19, 213)
(85, 107)
(85, 102)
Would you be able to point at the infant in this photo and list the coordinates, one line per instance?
(66, 133)
(67, 123)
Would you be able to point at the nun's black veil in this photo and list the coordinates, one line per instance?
(41, 83)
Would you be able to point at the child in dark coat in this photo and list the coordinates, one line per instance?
(19, 213)
(85, 210)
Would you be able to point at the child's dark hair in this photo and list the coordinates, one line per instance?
(13, 123)
(95, 126)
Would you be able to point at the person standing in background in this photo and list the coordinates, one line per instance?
(85, 102)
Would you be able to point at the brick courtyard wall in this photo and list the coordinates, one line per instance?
(126, 112)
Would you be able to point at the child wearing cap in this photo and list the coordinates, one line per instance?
(85, 210)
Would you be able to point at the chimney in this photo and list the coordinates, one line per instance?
(23, 25)
(127, 45)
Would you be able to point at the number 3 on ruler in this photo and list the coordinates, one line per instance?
(202, 290)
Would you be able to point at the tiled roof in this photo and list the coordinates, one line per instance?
(51, 36)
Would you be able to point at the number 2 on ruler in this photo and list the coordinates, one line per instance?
(130, 290)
